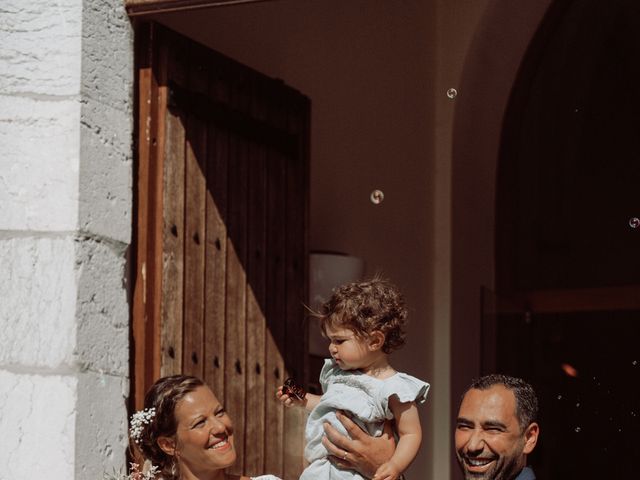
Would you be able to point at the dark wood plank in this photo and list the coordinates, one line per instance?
(236, 368)
(296, 281)
(216, 245)
(143, 306)
(149, 7)
(256, 291)
(173, 219)
(195, 199)
(276, 293)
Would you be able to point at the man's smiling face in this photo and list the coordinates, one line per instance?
(490, 443)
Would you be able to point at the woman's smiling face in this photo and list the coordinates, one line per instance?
(204, 435)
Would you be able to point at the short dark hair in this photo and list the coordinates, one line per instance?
(526, 399)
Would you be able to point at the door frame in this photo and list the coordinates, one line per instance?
(148, 7)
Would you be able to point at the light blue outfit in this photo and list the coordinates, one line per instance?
(363, 397)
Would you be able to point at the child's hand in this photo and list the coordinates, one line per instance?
(387, 471)
(288, 401)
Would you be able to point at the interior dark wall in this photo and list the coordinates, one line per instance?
(493, 58)
(567, 187)
(568, 175)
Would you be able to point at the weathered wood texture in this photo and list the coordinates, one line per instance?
(147, 7)
(232, 263)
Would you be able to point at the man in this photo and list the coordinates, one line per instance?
(495, 431)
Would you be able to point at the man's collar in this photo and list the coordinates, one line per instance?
(526, 474)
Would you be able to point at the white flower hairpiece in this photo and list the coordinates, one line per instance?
(148, 472)
(139, 420)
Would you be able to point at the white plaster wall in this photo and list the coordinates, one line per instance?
(39, 114)
(38, 288)
(66, 77)
(37, 432)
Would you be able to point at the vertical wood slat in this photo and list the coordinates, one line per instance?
(216, 244)
(235, 373)
(144, 303)
(194, 240)
(296, 287)
(256, 290)
(276, 295)
(173, 220)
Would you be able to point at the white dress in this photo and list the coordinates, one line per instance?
(266, 477)
(363, 397)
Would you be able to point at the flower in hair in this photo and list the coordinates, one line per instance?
(148, 472)
(138, 422)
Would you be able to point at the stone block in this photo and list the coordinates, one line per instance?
(101, 425)
(40, 47)
(38, 426)
(105, 171)
(102, 309)
(39, 163)
(38, 289)
(107, 54)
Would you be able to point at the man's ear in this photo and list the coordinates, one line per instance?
(531, 438)
(376, 340)
(167, 445)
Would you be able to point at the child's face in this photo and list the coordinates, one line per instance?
(348, 350)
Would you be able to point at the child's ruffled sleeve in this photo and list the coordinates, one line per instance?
(328, 371)
(406, 388)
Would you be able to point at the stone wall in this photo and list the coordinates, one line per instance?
(66, 75)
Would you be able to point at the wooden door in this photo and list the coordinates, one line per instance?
(149, 7)
(222, 239)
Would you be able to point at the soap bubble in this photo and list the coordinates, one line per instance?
(452, 93)
(634, 222)
(377, 196)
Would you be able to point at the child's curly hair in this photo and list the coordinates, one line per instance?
(365, 307)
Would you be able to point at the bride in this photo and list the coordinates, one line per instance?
(185, 433)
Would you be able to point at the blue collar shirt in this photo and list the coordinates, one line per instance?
(526, 474)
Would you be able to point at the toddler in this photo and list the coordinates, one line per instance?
(364, 323)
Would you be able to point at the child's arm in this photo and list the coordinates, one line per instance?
(308, 402)
(410, 437)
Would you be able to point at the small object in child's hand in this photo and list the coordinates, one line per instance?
(292, 389)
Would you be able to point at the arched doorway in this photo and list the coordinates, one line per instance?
(567, 316)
